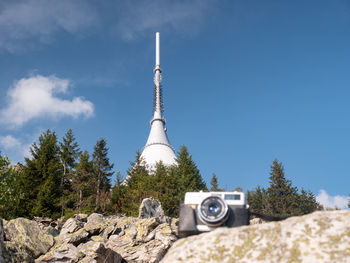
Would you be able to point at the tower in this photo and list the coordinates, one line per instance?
(157, 147)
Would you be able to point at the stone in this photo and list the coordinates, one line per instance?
(1, 242)
(81, 217)
(15, 253)
(28, 234)
(151, 208)
(95, 224)
(97, 252)
(60, 253)
(70, 226)
(143, 241)
(322, 236)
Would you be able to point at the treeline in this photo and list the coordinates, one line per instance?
(60, 180)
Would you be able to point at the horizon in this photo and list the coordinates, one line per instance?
(244, 83)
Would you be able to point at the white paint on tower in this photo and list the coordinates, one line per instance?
(157, 147)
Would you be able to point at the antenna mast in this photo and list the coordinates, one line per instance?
(158, 98)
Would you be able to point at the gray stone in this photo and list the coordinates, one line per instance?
(1, 242)
(15, 253)
(322, 236)
(70, 226)
(151, 208)
(143, 241)
(97, 252)
(28, 234)
(95, 224)
(60, 253)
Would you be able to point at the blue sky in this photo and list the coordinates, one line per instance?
(244, 82)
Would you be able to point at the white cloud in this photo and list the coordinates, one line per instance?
(185, 17)
(35, 97)
(38, 20)
(328, 201)
(10, 143)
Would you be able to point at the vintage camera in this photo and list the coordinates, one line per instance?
(206, 211)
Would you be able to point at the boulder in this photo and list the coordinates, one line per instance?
(151, 208)
(60, 253)
(1, 241)
(27, 233)
(143, 241)
(15, 253)
(95, 224)
(322, 236)
(71, 225)
(96, 252)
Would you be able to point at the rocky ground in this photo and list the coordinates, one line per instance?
(318, 237)
(89, 239)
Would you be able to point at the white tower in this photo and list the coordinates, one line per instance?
(158, 147)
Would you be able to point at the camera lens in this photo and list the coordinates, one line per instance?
(213, 210)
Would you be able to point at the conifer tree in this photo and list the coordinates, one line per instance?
(282, 196)
(41, 178)
(69, 151)
(84, 185)
(165, 188)
(190, 179)
(137, 187)
(214, 183)
(102, 170)
(10, 190)
(118, 192)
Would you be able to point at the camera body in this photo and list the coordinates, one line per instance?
(206, 211)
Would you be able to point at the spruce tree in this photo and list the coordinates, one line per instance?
(41, 178)
(84, 185)
(118, 192)
(282, 196)
(190, 179)
(102, 172)
(214, 183)
(69, 152)
(10, 190)
(137, 186)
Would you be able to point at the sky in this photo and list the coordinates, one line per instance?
(244, 82)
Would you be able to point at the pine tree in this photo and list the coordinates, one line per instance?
(282, 196)
(214, 183)
(190, 179)
(102, 171)
(69, 151)
(41, 178)
(84, 185)
(118, 192)
(10, 190)
(165, 189)
(137, 188)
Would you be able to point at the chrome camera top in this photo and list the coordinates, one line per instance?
(205, 211)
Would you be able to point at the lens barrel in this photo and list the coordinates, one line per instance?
(213, 210)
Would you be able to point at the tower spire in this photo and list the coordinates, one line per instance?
(157, 147)
(158, 100)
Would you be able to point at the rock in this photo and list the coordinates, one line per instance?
(322, 236)
(1, 241)
(15, 253)
(28, 234)
(151, 208)
(95, 224)
(70, 226)
(81, 217)
(60, 253)
(143, 241)
(256, 221)
(97, 252)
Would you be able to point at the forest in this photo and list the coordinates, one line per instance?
(59, 180)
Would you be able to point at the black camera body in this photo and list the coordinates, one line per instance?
(206, 211)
